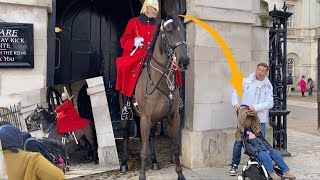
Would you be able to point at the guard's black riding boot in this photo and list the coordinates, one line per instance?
(69, 136)
(126, 113)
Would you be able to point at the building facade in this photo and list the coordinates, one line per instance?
(303, 32)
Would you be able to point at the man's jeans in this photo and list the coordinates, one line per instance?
(266, 160)
(236, 157)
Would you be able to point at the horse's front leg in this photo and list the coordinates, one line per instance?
(155, 165)
(125, 135)
(175, 127)
(145, 126)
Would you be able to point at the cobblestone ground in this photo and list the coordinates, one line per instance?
(305, 154)
(163, 152)
(304, 162)
(303, 144)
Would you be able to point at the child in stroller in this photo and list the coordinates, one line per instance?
(261, 154)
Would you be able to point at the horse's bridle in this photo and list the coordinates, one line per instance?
(171, 66)
(169, 69)
(170, 49)
(52, 119)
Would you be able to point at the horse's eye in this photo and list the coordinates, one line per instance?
(169, 32)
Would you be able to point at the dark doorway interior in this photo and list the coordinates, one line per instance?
(89, 42)
(84, 104)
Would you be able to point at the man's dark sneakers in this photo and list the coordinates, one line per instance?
(233, 170)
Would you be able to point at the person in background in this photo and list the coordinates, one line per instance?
(310, 85)
(289, 84)
(21, 164)
(303, 86)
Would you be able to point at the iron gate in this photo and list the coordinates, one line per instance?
(277, 75)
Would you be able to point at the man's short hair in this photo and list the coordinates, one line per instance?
(264, 65)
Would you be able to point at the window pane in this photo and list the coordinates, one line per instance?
(290, 66)
(290, 19)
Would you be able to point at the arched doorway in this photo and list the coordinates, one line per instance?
(88, 46)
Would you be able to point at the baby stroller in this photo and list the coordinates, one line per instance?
(254, 169)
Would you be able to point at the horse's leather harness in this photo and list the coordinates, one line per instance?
(169, 69)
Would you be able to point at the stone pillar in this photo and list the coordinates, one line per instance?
(210, 121)
(3, 172)
(29, 102)
(107, 151)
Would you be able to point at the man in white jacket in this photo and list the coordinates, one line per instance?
(257, 93)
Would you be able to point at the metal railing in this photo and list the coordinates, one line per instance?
(11, 114)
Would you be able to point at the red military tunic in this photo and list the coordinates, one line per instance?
(68, 119)
(128, 67)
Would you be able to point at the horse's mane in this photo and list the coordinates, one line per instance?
(47, 116)
(155, 37)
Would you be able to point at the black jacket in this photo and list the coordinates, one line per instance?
(255, 145)
(34, 146)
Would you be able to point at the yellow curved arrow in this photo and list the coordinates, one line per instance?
(237, 76)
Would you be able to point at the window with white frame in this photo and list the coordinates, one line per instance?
(290, 66)
(290, 19)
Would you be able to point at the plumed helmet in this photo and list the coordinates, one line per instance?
(152, 3)
(64, 95)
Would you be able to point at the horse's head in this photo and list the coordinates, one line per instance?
(173, 37)
(37, 115)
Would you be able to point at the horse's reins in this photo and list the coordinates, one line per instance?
(50, 121)
(169, 68)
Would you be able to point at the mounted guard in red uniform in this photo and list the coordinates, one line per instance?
(135, 42)
(68, 119)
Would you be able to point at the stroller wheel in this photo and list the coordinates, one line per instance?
(240, 177)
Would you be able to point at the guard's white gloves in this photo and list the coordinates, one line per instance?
(138, 42)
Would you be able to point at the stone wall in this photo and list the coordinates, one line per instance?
(210, 121)
(16, 80)
(29, 101)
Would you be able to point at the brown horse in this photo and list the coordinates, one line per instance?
(157, 94)
(48, 124)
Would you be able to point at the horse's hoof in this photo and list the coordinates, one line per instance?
(155, 166)
(67, 169)
(142, 177)
(95, 162)
(124, 168)
(181, 177)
